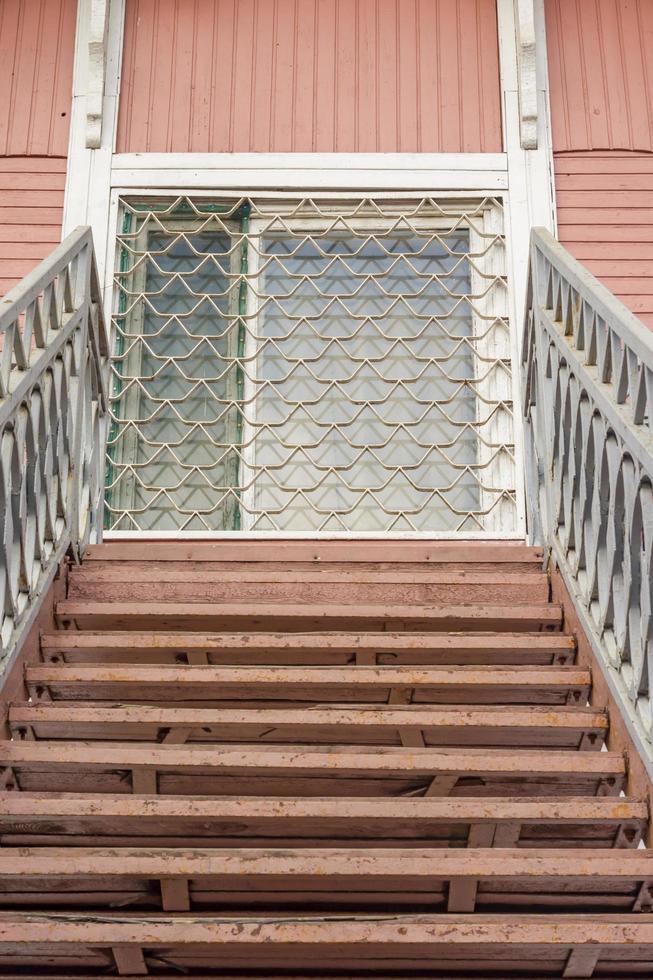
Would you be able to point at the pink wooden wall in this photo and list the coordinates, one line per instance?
(601, 84)
(310, 75)
(37, 42)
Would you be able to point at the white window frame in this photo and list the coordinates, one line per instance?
(523, 177)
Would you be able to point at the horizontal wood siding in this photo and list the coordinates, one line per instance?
(601, 88)
(310, 75)
(31, 210)
(37, 43)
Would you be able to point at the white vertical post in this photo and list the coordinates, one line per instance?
(530, 199)
(88, 181)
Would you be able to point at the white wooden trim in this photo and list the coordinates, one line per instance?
(312, 535)
(88, 179)
(311, 161)
(530, 201)
(429, 173)
(97, 64)
(526, 72)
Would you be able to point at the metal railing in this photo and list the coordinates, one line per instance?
(588, 407)
(53, 366)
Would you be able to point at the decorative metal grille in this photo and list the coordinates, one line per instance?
(311, 365)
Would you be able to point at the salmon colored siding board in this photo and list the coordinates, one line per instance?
(37, 45)
(31, 210)
(601, 91)
(310, 75)
(605, 219)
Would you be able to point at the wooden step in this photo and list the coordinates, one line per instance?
(316, 572)
(95, 614)
(611, 946)
(306, 649)
(280, 551)
(328, 879)
(532, 727)
(106, 820)
(162, 584)
(269, 770)
(267, 685)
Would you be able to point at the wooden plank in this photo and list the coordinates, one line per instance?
(371, 943)
(334, 878)
(289, 550)
(582, 961)
(297, 617)
(526, 727)
(175, 895)
(114, 820)
(300, 572)
(75, 646)
(129, 960)
(451, 684)
(310, 588)
(307, 770)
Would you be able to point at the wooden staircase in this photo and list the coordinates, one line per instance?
(316, 759)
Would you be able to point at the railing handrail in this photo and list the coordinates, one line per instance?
(53, 401)
(638, 337)
(29, 287)
(588, 412)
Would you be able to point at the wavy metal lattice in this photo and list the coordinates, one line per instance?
(311, 365)
(588, 374)
(53, 367)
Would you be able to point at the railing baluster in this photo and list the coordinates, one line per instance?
(588, 382)
(53, 371)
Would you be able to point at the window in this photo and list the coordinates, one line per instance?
(311, 366)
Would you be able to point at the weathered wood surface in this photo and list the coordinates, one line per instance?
(310, 879)
(331, 752)
(534, 727)
(326, 585)
(279, 550)
(95, 614)
(253, 684)
(354, 944)
(109, 820)
(310, 770)
(296, 649)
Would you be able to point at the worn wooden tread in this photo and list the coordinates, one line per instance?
(474, 821)
(433, 684)
(117, 767)
(561, 945)
(329, 573)
(454, 880)
(212, 615)
(318, 551)
(309, 648)
(309, 589)
(577, 728)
